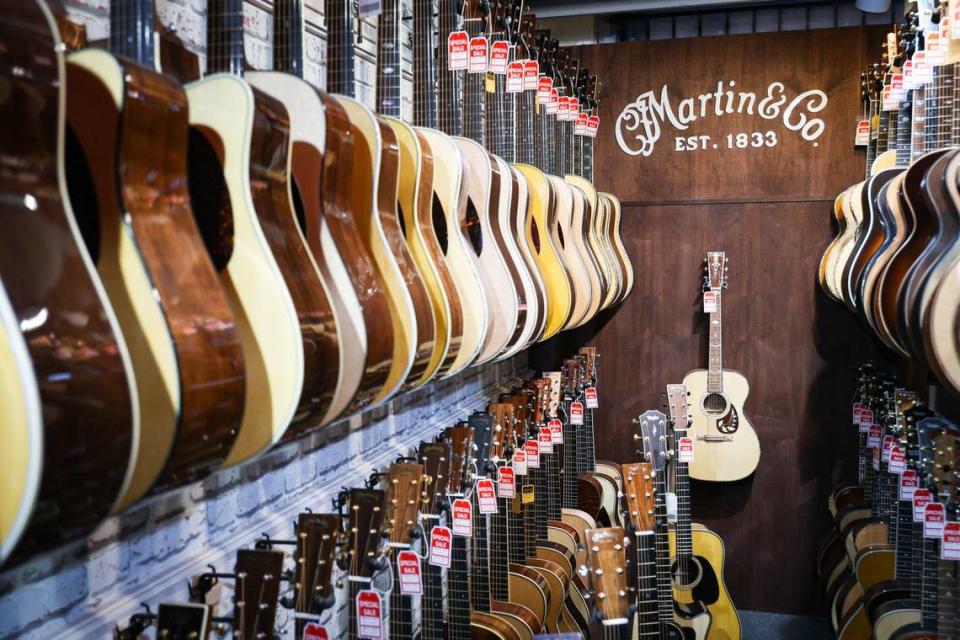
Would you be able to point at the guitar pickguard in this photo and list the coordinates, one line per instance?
(729, 423)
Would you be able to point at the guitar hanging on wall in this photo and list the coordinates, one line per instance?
(726, 447)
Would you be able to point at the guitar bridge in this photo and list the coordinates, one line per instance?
(715, 438)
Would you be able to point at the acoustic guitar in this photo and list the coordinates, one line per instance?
(606, 561)
(404, 493)
(187, 620)
(258, 574)
(725, 445)
(317, 537)
(365, 526)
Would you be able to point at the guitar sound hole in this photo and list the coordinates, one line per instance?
(715, 404)
(687, 573)
(210, 198)
(471, 225)
(83, 194)
(439, 224)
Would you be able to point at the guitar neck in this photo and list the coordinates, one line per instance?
(588, 158)
(682, 489)
(874, 135)
(458, 590)
(526, 143)
(662, 557)
(571, 446)
(648, 604)
(389, 73)
(341, 36)
(401, 606)
(904, 129)
(431, 602)
(948, 618)
(480, 559)
(474, 102)
(449, 83)
(424, 73)
(225, 37)
(132, 29)
(930, 595)
(500, 541)
(288, 37)
(587, 442)
(517, 525)
(715, 359)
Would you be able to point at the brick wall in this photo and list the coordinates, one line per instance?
(148, 553)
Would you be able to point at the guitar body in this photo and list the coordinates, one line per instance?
(449, 213)
(580, 231)
(487, 626)
(892, 617)
(369, 171)
(521, 619)
(536, 296)
(841, 254)
(617, 213)
(890, 202)
(706, 587)
(530, 589)
(872, 236)
(556, 591)
(609, 277)
(604, 234)
(416, 189)
(483, 210)
(848, 251)
(230, 125)
(880, 234)
(313, 135)
(735, 456)
(569, 207)
(559, 292)
(829, 256)
(501, 226)
(185, 350)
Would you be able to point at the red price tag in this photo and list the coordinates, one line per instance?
(573, 108)
(486, 496)
(314, 631)
(576, 413)
(556, 431)
(520, 462)
(563, 104)
(858, 406)
(408, 565)
(553, 105)
(462, 518)
(590, 398)
(544, 87)
(580, 128)
(685, 449)
(898, 460)
(369, 620)
(709, 301)
(499, 54)
(909, 481)
(873, 439)
(921, 498)
(515, 77)
(532, 449)
(862, 137)
(441, 541)
(478, 55)
(898, 81)
(458, 51)
(593, 125)
(531, 75)
(545, 440)
(887, 446)
(933, 518)
(866, 420)
(506, 483)
(950, 543)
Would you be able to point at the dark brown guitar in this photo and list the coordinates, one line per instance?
(83, 380)
(256, 594)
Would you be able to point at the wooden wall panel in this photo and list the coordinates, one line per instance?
(770, 211)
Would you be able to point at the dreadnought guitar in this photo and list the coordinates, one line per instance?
(725, 445)
(696, 553)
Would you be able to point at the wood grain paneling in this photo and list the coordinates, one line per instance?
(770, 211)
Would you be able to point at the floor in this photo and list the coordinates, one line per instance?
(760, 625)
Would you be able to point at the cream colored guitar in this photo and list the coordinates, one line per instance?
(21, 428)
(725, 445)
(598, 244)
(579, 233)
(619, 248)
(569, 206)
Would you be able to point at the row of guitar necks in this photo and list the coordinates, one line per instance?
(488, 536)
(192, 273)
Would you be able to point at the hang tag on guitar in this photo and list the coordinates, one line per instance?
(909, 482)
(573, 108)
(873, 439)
(556, 431)
(590, 398)
(506, 483)
(934, 515)
(515, 77)
(314, 631)
(499, 55)
(866, 421)
(898, 460)
(685, 449)
(709, 301)
(486, 496)
(544, 87)
(478, 55)
(857, 412)
(462, 512)
(888, 102)
(545, 440)
(862, 137)
(888, 442)
(670, 501)
(921, 498)
(532, 448)
(593, 125)
(950, 542)
(580, 128)
(554, 102)
(458, 48)
(369, 619)
(408, 566)
(576, 414)
(531, 75)
(441, 541)
(520, 462)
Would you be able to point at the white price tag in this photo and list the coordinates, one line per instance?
(685, 449)
(499, 55)
(553, 104)
(506, 483)
(921, 498)
(486, 496)
(590, 398)
(862, 137)
(909, 481)
(873, 439)
(531, 75)
(888, 442)
(556, 431)
(462, 512)
(898, 460)
(709, 301)
(593, 125)
(858, 406)
(369, 618)
(314, 631)
(933, 518)
(441, 541)
(520, 462)
(545, 440)
(458, 51)
(580, 128)
(514, 77)
(544, 87)
(478, 55)
(408, 566)
(950, 542)
(532, 449)
(866, 421)
(576, 414)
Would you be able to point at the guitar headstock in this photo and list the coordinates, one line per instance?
(317, 536)
(590, 361)
(183, 621)
(653, 436)
(946, 458)
(556, 390)
(678, 406)
(477, 10)
(503, 421)
(460, 438)
(607, 562)
(256, 593)
(716, 270)
(364, 531)
(405, 489)
(640, 494)
(435, 458)
(501, 17)
(483, 436)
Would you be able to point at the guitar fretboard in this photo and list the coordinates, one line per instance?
(431, 602)
(401, 606)
(571, 446)
(424, 72)
(715, 352)
(458, 590)
(648, 603)
(389, 74)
